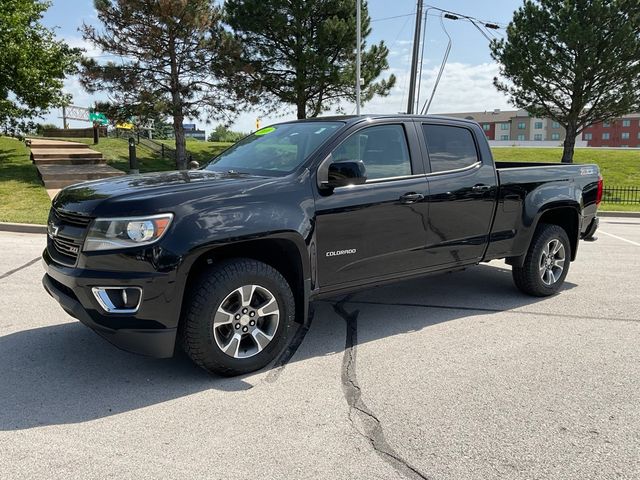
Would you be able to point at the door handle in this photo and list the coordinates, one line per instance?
(411, 197)
(480, 188)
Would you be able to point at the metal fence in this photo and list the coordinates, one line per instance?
(160, 148)
(621, 195)
(164, 150)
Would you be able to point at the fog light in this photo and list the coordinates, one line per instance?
(118, 299)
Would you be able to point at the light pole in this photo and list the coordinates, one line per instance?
(414, 59)
(358, 45)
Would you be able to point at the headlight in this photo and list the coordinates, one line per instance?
(113, 233)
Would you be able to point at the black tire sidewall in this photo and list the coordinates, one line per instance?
(226, 278)
(529, 277)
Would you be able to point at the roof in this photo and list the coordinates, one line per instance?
(351, 119)
(487, 116)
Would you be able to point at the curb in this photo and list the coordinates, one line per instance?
(22, 228)
(619, 214)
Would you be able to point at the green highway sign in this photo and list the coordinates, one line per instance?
(98, 117)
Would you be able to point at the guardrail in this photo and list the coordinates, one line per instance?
(621, 195)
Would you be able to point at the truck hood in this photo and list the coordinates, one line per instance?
(162, 189)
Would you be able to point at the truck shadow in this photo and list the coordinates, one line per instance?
(65, 373)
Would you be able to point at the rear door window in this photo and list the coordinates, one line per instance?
(450, 148)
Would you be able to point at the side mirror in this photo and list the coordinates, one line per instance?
(193, 165)
(342, 174)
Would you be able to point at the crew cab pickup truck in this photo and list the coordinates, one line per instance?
(223, 260)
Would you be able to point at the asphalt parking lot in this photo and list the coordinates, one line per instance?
(457, 376)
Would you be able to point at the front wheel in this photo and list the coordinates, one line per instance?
(238, 317)
(547, 262)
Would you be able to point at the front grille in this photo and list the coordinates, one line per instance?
(73, 218)
(66, 247)
(66, 235)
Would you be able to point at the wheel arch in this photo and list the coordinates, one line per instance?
(565, 216)
(286, 252)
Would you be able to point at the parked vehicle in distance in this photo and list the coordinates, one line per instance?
(225, 259)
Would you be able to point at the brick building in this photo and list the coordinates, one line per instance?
(619, 132)
(519, 126)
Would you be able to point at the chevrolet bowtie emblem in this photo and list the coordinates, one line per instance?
(53, 230)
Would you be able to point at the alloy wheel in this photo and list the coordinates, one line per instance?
(552, 261)
(246, 321)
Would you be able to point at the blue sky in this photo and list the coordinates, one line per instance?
(465, 86)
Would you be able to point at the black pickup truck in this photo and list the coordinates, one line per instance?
(223, 259)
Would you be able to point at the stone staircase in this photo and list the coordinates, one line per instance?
(62, 163)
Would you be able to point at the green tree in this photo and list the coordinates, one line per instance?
(175, 58)
(576, 61)
(33, 64)
(302, 52)
(222, 133)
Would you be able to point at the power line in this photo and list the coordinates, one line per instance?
(486, 23)
(427, 104)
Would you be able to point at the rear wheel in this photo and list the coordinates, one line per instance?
(238, 317)
(547, 262)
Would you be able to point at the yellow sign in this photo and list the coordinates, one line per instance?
(125, 126)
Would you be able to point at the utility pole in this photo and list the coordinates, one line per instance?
(414, 59)
(358, 45)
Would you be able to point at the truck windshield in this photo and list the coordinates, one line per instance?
(276, 150)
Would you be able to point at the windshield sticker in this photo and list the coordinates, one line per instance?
(265, 130)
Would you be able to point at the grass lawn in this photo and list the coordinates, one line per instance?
(116, 152)
(200, 150)
(23, 199)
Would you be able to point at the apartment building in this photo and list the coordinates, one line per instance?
(519, 126)
(514, 126)
(619, 132)
(496, 124)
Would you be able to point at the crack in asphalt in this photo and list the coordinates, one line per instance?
(371, 426)
(21, 267)
(286, 356)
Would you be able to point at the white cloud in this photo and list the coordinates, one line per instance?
(90, 49)
(463, 87)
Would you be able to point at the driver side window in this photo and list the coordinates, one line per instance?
(383, 150)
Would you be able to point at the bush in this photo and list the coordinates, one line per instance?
(41, 127)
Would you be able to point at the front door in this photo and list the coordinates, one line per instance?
(376, 229)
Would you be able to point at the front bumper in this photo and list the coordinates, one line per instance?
(151, 331)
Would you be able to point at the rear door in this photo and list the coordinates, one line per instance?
(376, 229)
(462, 193)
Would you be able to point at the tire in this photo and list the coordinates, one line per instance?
(543, 274)
(240, 306)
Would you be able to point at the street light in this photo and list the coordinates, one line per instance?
(358, 45)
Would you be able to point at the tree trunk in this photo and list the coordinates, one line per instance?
(181, 146)
(569, 144)
(302, 109)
